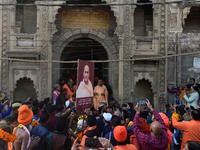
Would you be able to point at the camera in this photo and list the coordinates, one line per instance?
(142, 102)
(92, 143)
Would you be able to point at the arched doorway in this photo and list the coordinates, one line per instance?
(192, 22)
(86, 49)
(85, 32)
(144, 90)
(24, 89)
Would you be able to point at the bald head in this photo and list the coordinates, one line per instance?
(156, 128)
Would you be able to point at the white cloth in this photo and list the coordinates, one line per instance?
(192, 100)
(107, 116)
(27, 131)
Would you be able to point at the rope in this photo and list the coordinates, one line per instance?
(100, 61)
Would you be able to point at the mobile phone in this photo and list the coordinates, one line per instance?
(92, 143)
(142, 102)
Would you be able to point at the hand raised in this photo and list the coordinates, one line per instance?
(137, 108)
(149, 104)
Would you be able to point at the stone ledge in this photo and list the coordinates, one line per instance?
(17, 54)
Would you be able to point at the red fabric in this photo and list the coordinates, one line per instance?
(166, 121)
(144, 127)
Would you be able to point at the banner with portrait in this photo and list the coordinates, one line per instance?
(85, 79)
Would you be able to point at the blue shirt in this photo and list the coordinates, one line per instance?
(36, 118)
(42, 132)
(5, 113)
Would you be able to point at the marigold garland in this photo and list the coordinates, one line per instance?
(35, 123)
(7, 136)
(81, 117)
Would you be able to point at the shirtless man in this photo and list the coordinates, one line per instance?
(24, 141)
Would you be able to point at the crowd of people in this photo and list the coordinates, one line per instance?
(58, 125)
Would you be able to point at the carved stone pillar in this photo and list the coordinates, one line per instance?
(126, 52)
(163, 62)
(43, 44)
(123, 31)
(5, 23)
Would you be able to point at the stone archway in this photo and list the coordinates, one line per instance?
(144, 90)
(24, 89)
(109, 44)
(106, 37)
(85, 49)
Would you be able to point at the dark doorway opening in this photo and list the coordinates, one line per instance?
(144, 90)
(24, 90)
(85, 49)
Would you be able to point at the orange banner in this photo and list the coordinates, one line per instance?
(89, 20)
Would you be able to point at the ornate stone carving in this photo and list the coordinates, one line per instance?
(126, 50)
(162, 53)
(44, 37)
(5, 47)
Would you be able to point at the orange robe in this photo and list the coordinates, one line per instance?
(125, 147)
(100, 94)
(191, 130)
(69, 92)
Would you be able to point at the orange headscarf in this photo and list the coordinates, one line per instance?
(169, 134)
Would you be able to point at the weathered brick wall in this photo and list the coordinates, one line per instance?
(189, 43)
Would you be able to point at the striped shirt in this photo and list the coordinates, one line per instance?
(148, 141)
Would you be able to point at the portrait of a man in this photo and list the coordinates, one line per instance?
(85, 88)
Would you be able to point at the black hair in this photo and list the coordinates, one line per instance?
(177, 108)
(192, 79)
(91, 120)
(60, 125)
(131, 105)
(74, 95)
(192, 145)
(52, 109)
(46, 100)
(115, 121)
(44, 117)
(41, 104)
(124, 105)
(167, 105)
(12, 118)
(73, 110)
(188, 86)
(198, 85)
(59, 108)
(182, 111)
(64, 90)
(35, 103)
(144, 114)
(27, 103)
(195, 114)
(196, 88)
(109, 107)
(192, 108)
(35, 110)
